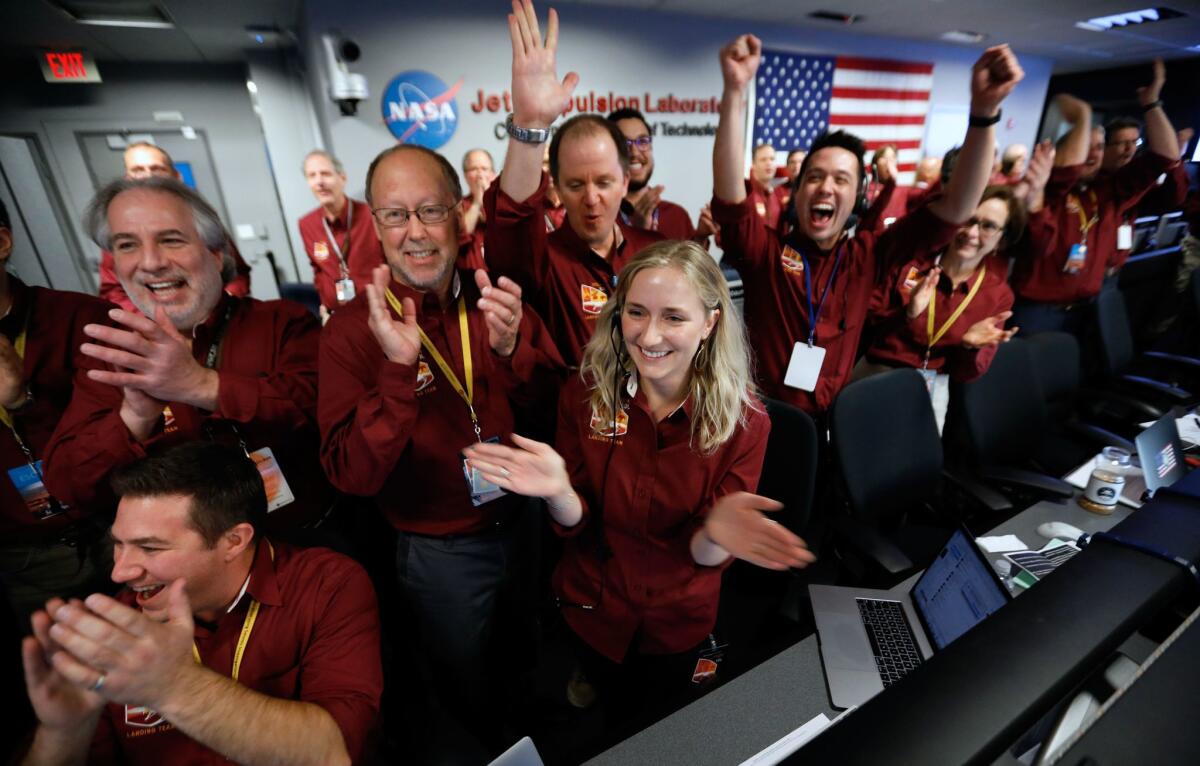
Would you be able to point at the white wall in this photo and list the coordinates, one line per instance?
(619, 49)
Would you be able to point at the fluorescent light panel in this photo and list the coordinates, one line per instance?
(1143, 16)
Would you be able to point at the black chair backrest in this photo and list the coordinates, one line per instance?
(1056, 362)
(1112, 322)
(790, 465)
(303, 293)
(886, 441)
(1002, 413)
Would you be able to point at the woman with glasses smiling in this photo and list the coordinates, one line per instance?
(944, 313)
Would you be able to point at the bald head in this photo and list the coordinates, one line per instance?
(143, 160)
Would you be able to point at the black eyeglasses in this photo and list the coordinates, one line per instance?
(642, 143)
(397, 217)
(985, 226)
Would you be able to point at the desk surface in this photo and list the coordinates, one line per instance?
(751, 712)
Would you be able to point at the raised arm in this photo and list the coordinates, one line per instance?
(993, 77)
(1160, 135)
(739, 62)
(1073, 148)
(538, 97)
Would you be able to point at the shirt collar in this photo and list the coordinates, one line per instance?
(577, 245)
(428, 301)
(261, 583)
(215, 317)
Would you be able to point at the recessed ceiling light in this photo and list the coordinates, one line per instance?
(1143, 16)
(963, 36)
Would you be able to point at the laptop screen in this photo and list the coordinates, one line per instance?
(957, 591)
(1161, 454)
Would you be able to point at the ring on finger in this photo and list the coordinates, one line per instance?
(511, 319)
(98, 684)
(505, 472)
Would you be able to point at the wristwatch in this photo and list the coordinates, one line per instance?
(526, 135)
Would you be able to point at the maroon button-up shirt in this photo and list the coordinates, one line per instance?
(776, 309)
(395, 432)
(1055, 229)
(656, 491)
(365, 252)
(53, 323)
(561, 276)
(315, 640)
(901, 341)
(267, 397)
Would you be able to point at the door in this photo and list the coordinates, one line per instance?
(45, 252)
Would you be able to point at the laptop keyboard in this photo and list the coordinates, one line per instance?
(891, 638)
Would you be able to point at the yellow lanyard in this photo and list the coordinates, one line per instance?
(1086, 225)
(467, 395)
(247, 627)
(20, 348)
(935, 337)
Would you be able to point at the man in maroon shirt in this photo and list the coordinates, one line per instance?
(199, 364)
(808, 294)
(644, 206)
(1076, 227)
(767, 202)
(426, 363)
(143, 160)
(223, 645)
(566, 275)
(46, 548)
(338, 236)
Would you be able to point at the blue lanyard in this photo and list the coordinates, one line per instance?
(814, 315)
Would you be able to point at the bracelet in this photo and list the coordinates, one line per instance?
(985, 122)
(1155, 104)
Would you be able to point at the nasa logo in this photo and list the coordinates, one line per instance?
(419, 109)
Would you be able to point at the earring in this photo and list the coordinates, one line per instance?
(700, 360)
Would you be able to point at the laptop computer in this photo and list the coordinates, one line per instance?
(1160, 452)
(871, 638)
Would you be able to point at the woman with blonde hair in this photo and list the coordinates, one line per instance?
(660, 444)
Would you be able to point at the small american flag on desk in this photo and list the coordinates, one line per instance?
(797, 97)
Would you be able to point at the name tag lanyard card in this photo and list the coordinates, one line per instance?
(345, 285)
(805, 365)
(1077, 256)
(481, 489)
(28, 479)
(933, 337)
(279, 493)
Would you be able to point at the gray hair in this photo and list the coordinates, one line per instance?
(208, 223)
(337, 164)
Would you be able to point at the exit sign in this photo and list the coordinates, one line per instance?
(69, 66)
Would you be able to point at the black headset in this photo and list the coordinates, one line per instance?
(861, 204)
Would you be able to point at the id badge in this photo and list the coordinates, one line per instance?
(345, 290)
(28, 481)
(929, 376)
(482, 491)
(707, 662)
(279, 493)
(805, 366)
(1124, 237)
(1076, 258)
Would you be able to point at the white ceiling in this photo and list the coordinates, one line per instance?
(213, 30)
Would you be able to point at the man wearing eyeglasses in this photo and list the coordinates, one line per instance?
(338, 236)
(644, 206)
(428, 361)
(567, 275)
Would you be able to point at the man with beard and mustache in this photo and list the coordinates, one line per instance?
(1076, 228)
(644, 206)
(145, 160)
(808, 293)
(195, 363)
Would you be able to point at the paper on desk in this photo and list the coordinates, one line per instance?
(775, 753)
(1001, 543)
(1188, 427)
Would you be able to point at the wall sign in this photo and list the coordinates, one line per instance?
(419, 109)
(68, 66)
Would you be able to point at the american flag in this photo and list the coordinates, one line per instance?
(798, 97)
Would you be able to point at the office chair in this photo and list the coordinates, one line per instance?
(889, 454)
(1159, 379)
(750, 595)
(303, 293)
(1074, 414)
(1000, 422)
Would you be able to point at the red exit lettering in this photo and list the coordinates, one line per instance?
(66, 66)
